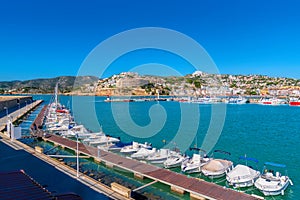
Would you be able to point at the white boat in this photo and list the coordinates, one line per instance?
(242, 175)
(117, 146)
(59, 128)
(194, 164)
(175, 161)
(99, 140)
(216, 168)
(143, 153)
(270, 183)
(160, 156)
(135, 147)
(237, 100)
(272, 101)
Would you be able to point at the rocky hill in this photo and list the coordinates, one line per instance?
(66, 84)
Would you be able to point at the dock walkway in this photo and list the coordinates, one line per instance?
(200, 188)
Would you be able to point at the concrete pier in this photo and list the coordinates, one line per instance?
(178, 183)
(14, 116)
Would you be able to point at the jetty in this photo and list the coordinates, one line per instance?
(179, 183)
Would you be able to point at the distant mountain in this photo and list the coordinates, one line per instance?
(66, 84)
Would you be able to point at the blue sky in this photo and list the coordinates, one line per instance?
(49, 38)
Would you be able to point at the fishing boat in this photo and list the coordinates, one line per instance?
(272, 183)
(216, 168)
(175, 161)
(143, 153)
(242, 175)
(134, 147)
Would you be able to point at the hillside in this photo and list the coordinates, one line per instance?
(66, 84)
(198, 84)
(129, 83)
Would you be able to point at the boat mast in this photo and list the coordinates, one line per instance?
(55, 96)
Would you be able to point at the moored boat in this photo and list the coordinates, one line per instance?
(242, 175)
(134, 147)
(294, 101)
(161, 155)
(272, 101)
(272, 183)
(216, 168)
(175, 161)
(194, 164)
(143, 153)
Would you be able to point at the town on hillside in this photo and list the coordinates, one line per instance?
(131, 83)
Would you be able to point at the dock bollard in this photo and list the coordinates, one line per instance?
(39, 149)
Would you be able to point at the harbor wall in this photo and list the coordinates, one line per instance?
(12, 101)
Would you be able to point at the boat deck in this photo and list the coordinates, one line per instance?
(188, 184)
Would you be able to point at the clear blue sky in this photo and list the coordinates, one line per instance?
(49, 38)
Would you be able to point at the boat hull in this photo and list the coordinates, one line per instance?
(271, 191)
(173, 165)
(275, 192)
(295, 103)
(241, 184)
(213, 175)
(190, 170)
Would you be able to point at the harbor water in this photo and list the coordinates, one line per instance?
(267, 133)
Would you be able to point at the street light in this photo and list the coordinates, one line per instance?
(19, 109)
(6, 111)
(26, 106)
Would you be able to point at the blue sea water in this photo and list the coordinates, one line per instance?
(268, 133)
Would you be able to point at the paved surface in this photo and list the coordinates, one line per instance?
(18, 113)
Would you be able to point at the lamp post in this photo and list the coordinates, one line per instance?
(6, 112)
(26, 106)
(19, 110)
(77, 156)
